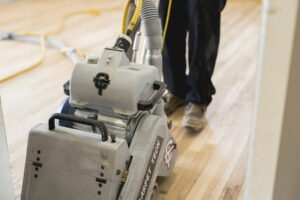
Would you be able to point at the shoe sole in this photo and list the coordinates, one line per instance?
(194, 127)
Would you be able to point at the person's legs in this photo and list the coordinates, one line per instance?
(174, 64)
(204, 35)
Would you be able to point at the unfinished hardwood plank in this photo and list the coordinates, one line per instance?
(210, 165)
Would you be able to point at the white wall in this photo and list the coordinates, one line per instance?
(274, 164)
(287, 183)
(6, 187)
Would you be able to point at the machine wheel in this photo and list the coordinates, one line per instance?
(66, 108)
(154, 194)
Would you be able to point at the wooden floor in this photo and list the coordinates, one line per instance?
(211, 165)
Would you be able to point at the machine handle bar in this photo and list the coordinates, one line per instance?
(101, 126)
(159, 89)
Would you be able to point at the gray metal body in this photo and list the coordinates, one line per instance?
(154, 156)
(74, 164)
(66, 163)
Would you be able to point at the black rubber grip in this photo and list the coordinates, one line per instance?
(159, 89)
(94, 123)
(66, 87)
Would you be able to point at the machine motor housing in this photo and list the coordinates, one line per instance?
(124, 84)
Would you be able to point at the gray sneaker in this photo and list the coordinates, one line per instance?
(194, 117)
(172, 103)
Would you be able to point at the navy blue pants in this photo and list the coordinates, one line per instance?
(201, 20)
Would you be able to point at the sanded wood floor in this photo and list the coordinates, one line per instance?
(210, 165)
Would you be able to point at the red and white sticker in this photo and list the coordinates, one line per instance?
(171, 146)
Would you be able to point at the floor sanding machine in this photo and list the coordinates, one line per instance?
(111, 138)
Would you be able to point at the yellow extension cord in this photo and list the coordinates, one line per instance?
(166, 24)
(60, 28)
(57, 30)
(133, 21)
(134, 18)
(125, 16)
(31, 66)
